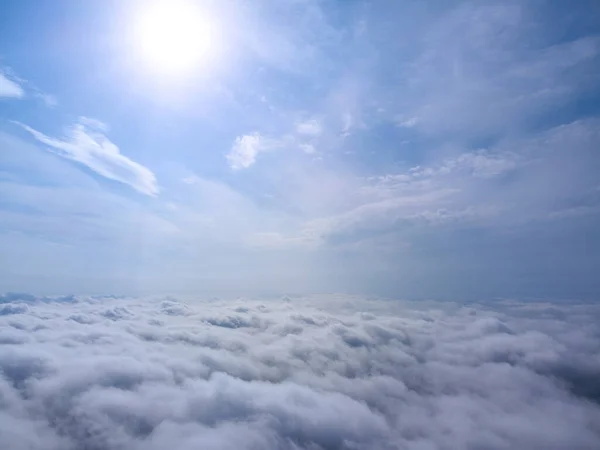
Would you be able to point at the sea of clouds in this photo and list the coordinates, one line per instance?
(322, 372)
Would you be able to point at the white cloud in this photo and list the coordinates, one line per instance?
(436, 194)
(275, 240)
(87, 144)
(480, 49)
(308, 148)
(311, 128)
(380, 215)
(480, 163)
(297, 373)
(347, 123)
(94, 124)
(10, 88)
(407, 122)
(483, 164)
(191, 179)
(514, 183)
(245, 150)
(48, 99)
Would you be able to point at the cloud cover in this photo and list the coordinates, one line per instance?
(328, 372)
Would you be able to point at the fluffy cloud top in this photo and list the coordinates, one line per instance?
(315, 373)
(88, 145)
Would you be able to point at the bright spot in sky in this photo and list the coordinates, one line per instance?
(174, 37)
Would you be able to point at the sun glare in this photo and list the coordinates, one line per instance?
(174, 37)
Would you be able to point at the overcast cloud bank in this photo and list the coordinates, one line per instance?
(331, 372)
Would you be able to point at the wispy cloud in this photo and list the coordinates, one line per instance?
(494, 83)
(13, 86)
(49, 100)
(10, 88)
(308, 148)
(309, 127)
(517, 182)
(407, 122)
(87, 144)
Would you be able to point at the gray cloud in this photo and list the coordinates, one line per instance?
(331, 372)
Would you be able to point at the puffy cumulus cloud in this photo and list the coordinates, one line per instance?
(330, 372)
(245, 150)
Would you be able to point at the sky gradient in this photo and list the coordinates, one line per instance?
(408, 149)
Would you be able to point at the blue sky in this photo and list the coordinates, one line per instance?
(416, 149)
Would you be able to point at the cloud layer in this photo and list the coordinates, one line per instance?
(317, 373)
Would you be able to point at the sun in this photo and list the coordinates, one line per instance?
(174, 37)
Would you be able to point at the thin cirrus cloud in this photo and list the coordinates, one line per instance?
(87, 144)
(10, 88)
(13, 87)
